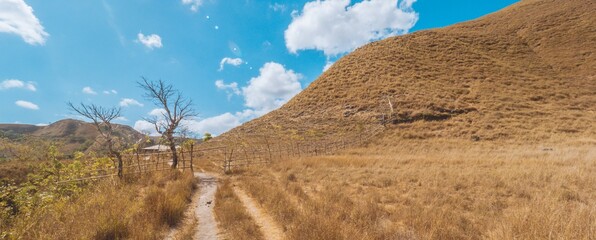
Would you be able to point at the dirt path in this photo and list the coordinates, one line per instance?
(270, 229)
(207, 228)
(190, 221)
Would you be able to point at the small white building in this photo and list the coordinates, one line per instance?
(158, 148)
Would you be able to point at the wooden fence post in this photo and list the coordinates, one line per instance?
(191, 152)
(228, 162)
(138, 161)
(157, 161)
(268, 148)
(183, 159)
(225, 159)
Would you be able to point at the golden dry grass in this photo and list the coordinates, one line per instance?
(526, 72)
(492, 135)
(16, 171)
(167, 203)
(231, 215)
(434, 190)
(188, 230)
(136, 209)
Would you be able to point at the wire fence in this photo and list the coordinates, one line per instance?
(247, 150)
(232, 153)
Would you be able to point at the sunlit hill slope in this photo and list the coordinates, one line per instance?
(524, 73)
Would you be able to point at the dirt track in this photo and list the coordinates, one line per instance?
(270, 229)
(207, 226)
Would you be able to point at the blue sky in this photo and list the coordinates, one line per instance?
(237, 59)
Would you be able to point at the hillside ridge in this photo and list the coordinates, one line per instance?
(73, 134)
(525, 72)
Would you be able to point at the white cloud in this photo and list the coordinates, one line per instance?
(150, 41)
(109, 92)
(194, 4)
(327, 66)
(13, 83)
(335, 27)
(157, 112)
(16, 17)
(89, 90)
(145, 127)
(272, 88)
(127, 102)
(214, 125)
(28, 105)
(42, 124)
(278, 7)
(219, 124)
(231, 88)
(231, 61)
(406, 4)
(122, 119)
(112, 22)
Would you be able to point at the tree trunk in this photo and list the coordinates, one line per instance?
(120, 167)
(174, 153)
(117, 155)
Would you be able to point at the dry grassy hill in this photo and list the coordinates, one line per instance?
(493, 134)
(74, 135)
(524, 73)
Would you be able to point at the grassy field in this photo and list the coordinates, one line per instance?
(144, 208)
(233, 218)
(434, 190)
(481, 130)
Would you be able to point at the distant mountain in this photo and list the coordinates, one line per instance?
(527, 72)
(72, 135)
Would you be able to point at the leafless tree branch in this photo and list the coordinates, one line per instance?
(176, 109)
(102, 119)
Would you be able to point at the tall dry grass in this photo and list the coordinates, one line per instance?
(231, 215)
(142, 208)
(434, 190)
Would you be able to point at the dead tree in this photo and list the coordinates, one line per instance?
(187, 140)
(102, 119)
(175, 109)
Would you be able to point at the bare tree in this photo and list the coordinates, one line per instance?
(102, 119)
(175, 109)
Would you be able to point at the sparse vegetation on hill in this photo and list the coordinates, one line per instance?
(102, 118)
(45, 184)
(525, 73)
(71, 135)
(76, 196)
(487, 132)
